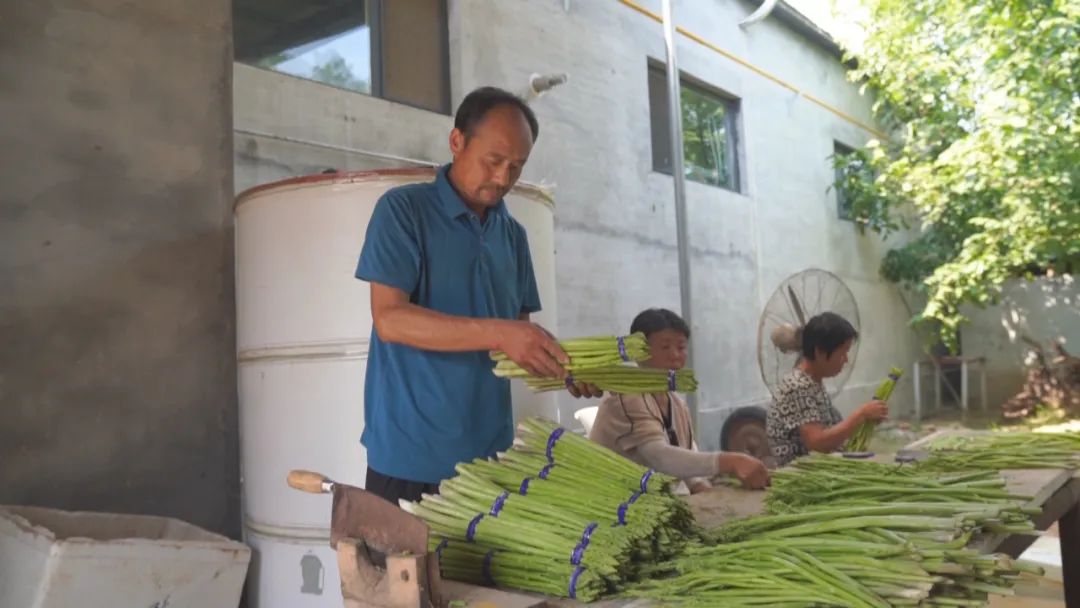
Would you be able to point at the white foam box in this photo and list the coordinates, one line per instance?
(57, 559)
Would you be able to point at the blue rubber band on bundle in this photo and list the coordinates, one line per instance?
(524, 489)
(486, 569)
(569, 380)
(579, 550)
(552, 439)
(471, 531)
(544, 472)
(671, 380)
(645, 480)
(498, 504)
(440, 547)
(622, 349)
(894, 377)
(626, 505)
(572, 591)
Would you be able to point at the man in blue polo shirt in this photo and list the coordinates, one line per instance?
(451, 279)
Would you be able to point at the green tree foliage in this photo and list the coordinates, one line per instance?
(336, 71)
(983, 100)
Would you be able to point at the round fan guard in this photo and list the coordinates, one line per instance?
(807, 293)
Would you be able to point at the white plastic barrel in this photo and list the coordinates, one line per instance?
(303, 328)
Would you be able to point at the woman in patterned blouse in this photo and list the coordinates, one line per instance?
(802, 417)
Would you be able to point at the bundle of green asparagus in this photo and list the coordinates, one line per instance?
(602, 362)
(923, 520)
(585, 353)
(556, 514)
(860, 441)
(1006, 450)
(623, 379)
(591, 465)
(827, 480)
(476, 564)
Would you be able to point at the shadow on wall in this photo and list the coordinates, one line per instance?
(1044, 309)
(119, 386)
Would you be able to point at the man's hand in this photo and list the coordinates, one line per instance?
(580, 389)
(533, 348)
(873, 411)
(750, 471)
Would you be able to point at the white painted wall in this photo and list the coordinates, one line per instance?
(615, 222)
(1043, 310)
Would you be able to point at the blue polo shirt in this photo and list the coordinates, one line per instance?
(426, 411)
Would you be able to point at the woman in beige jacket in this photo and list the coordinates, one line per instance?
(654, 429)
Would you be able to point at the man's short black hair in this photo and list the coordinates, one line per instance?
(653, 320)
(826, 332)
(477, 104)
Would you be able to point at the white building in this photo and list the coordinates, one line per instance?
(128, 132)
(760, 205)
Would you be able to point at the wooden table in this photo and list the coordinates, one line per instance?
(1059, 497)
(937, 364)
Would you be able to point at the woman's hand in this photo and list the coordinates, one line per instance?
(753, 473)
(873, 411)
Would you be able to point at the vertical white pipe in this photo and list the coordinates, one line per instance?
(679, 179)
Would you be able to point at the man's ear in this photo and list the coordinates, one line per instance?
(457, 142)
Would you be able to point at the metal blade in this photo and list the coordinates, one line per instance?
(382, 525)
(797, 306)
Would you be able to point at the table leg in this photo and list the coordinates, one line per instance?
(937, 387)
(982, 385)
(964, 387)
(918, 392)
(1069, 529)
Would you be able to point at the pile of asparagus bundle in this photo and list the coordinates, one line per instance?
(851, 562)
(557, 514)
(602, 361)
(1006, 450)
(855, 533)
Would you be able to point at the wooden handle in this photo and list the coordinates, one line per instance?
(308, 481)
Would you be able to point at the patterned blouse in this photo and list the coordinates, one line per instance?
(798, 400)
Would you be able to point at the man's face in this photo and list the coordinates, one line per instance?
(832, 365)
(489, 161)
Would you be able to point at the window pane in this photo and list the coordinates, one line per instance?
(709, 137)
(324, 40)
(705, 137)
(843, 205)
(658, 119)
(414, 54)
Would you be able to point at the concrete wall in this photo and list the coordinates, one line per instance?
(615, 221)
(117, 366)
(1043, 310)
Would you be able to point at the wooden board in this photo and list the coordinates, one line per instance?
(1040, 484)
(486, 597)
(723, 503)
